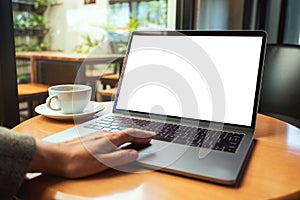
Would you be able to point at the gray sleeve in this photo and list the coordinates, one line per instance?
(16, 153)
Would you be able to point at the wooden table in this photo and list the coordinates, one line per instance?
(35, 57)
(273, 171)
(33, 94)
(54, 68)
(29, 90)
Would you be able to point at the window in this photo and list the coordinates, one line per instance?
(273, 23)
(126, 16)
(75, 26)
(219, 14)
(280, 18)
(292, 24)
(283, 22)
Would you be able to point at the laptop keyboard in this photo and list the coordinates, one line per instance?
(180, 134)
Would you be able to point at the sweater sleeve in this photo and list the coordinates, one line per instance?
(16, 153)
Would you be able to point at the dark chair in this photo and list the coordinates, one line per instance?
(59, 72)
(280, 91)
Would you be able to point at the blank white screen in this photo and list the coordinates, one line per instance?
(235, 58)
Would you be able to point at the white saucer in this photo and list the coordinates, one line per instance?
(91, 109)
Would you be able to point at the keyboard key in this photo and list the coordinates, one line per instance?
(185, 135)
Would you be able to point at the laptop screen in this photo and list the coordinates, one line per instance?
(210, 77)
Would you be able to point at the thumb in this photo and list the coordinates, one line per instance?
(117, 158)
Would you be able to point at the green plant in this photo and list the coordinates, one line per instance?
(133, 23)
(32, 47)
(38, 3)
(23, 78)
(88, 46)
(27, 20)
(157, 12)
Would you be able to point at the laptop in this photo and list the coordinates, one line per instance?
(198, 90)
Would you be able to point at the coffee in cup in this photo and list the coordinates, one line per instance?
(68, 98)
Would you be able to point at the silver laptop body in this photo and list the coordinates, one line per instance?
(188, 83)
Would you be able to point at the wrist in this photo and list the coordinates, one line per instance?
(46, 158)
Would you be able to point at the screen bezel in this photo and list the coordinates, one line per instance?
(248, 33)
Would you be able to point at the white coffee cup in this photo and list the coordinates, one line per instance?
(68, 98)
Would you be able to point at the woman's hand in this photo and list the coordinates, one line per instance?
(88, 154)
